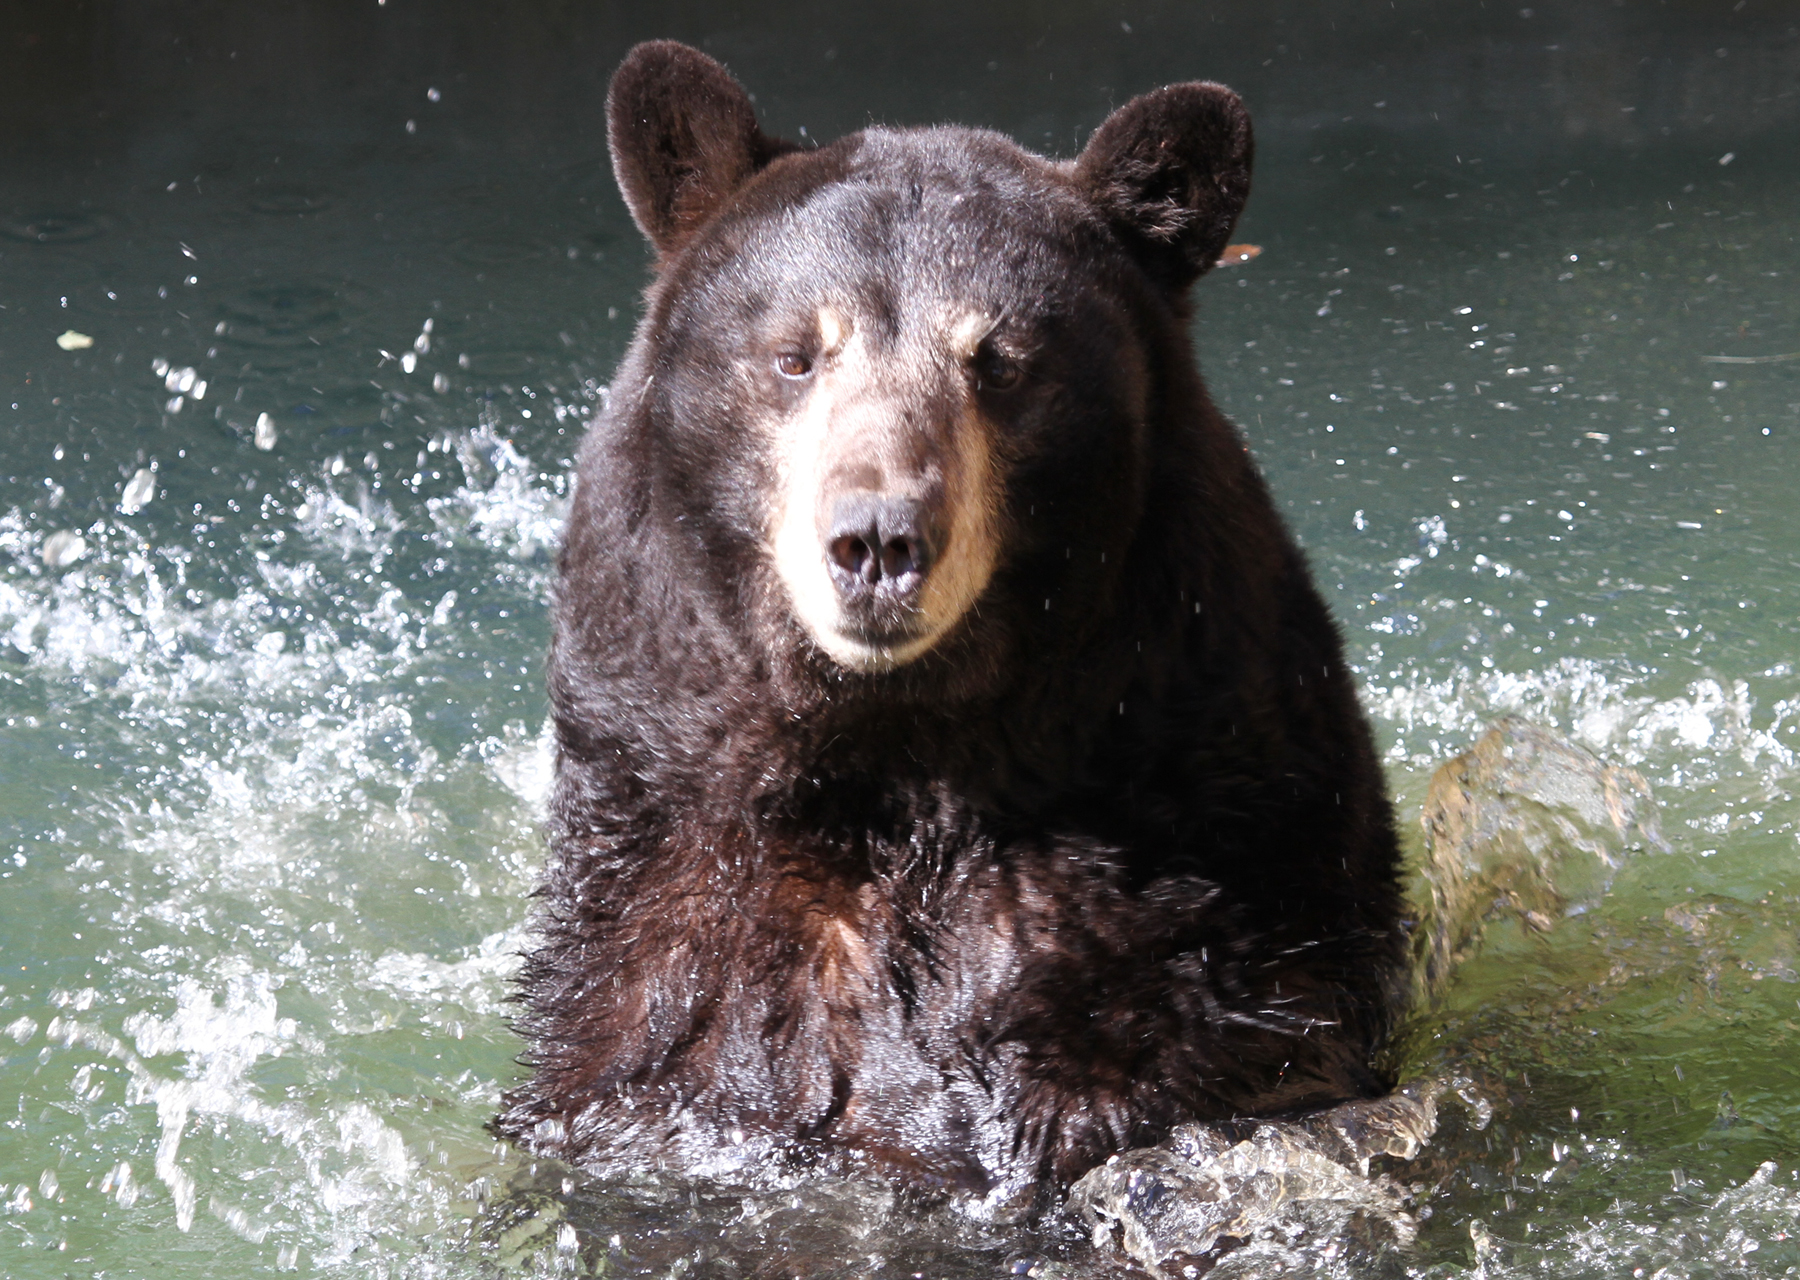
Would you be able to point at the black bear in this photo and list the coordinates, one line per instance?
(956, 768)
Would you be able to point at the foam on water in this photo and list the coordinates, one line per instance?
(1746, 1230)
(284, 795)
(311, 902)
(1681, 740)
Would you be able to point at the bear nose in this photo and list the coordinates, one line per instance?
(879, 542)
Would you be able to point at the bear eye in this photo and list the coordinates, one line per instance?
(791, 364)
(995, 371)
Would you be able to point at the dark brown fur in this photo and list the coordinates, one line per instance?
(1113, 855)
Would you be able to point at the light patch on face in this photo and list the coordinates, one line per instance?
(799, 552)
(806, 450)
(966, 332)
(834, 332)
(972, 516)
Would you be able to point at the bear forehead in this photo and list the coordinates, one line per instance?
(949, 167)
(913, 213)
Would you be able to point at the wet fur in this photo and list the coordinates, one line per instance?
(1077, 874)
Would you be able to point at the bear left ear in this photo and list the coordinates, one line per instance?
(1171, 171)
(683, 137)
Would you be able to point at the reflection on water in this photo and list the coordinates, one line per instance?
(271, 636)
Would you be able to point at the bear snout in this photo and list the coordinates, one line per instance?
(880, 544)
(884, 528)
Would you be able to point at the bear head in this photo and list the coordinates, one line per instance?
(884, 380)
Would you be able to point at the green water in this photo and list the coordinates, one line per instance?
(271, 746)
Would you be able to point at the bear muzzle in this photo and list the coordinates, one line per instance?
(880, 548)
(883, 528)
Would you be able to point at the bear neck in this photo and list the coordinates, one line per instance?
(786, 741)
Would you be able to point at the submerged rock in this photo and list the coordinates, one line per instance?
(1525, 823)
(1237, 1180)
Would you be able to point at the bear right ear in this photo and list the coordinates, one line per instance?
(1170, 170)
(683, 137)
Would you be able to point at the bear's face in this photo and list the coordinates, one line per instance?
(900, 347)
(885, 517)
(887, 372)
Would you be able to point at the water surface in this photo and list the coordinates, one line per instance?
(271, 716)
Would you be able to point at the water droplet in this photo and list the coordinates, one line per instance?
(139, 490)
(63, 548)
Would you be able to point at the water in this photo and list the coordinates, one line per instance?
(270, 707)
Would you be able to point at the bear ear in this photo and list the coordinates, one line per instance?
(683, 137)
(1171, 170)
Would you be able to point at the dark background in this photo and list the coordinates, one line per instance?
(200, 84)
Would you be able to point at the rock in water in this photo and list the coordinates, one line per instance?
(1524, 823)
(1239, 1179)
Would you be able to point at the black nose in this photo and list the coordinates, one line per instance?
(879, 543)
